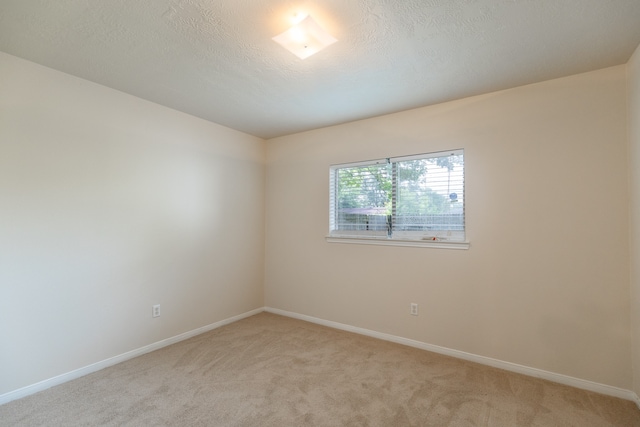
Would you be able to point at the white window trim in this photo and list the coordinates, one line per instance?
(438, 244)
(426, 242)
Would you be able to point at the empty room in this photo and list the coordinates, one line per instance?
(323, 213)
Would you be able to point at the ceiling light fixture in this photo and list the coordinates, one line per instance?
(305, 38)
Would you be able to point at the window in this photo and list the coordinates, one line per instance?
(416, 198)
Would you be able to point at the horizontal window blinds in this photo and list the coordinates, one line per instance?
(411, 197)
(362, 199)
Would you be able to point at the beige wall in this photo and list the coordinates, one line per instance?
(633, 72)
(110, 204)
(545, 283)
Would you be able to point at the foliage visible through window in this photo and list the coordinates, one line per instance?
(413, 197)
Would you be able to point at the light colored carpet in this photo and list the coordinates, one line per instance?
(269, 370)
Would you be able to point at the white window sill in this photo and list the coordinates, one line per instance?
(439, 244)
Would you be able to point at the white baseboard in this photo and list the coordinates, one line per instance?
(43, 385)
(533, 372)
(508, 366)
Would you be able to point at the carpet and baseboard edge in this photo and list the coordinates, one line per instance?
(533, 372)
(94, 367)
(508, 366)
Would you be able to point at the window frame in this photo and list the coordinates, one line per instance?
(394, 237)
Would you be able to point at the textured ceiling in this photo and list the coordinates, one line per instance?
(215, 59)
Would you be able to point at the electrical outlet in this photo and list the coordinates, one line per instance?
(155, 311)
(413, 309)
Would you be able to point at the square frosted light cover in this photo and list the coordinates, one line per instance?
(305, 38)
